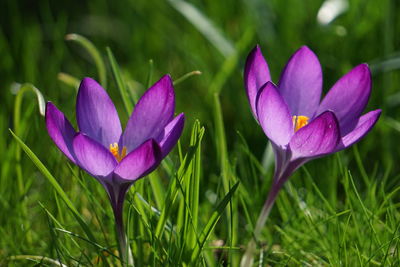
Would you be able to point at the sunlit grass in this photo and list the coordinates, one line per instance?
(200, 206)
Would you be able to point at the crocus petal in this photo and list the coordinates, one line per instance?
(282, 157)
(256, 74)
(93, 157)
(60, 130)
(139, 162)
(152, 113)
(171, 133)
(274, 115)
(301, 83)
(96, 113)
(348, 97)
(363, 126)
(319, 137)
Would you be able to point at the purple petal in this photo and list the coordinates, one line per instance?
(348, 97)
(364, 125)
(171, 133)
(282, 157)
(274, 115)
(256, 74)
(60, 130)
(152, 113)
(139, 162)
(93, 157)
(319, 137)
(301, 83)
(96, 113)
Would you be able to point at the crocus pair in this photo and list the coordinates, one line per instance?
(299, 126)
(114, 157)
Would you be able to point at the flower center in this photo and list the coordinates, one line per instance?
(299, 121)
(114, 149)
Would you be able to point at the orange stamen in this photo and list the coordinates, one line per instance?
(299, 121)
(114, 149)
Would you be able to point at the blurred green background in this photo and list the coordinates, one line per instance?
(33, 48)
(213, 37)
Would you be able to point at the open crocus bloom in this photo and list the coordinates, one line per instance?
(115, 158)
(299, 126)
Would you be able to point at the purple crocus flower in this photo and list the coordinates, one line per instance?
(299, 125)
(114, 157)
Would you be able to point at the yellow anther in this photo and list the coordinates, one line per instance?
(299, 121)
(114, 149)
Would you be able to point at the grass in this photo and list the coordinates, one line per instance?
(200, 206)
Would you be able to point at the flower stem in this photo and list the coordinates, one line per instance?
(124, 249)
(117, 197)
(282, 174)
(248, 257)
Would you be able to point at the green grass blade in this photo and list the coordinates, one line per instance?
(227, 174)
(230, 64)
(186, 76)
(56, 186)
(174, 187)
(46, 173)
(157, 188)
(39, 259)
(150, 74)
(20, 91)
(120, 82)
(69, 80)
(205, 26)
(193, 186)
(93, 52)
(18, 128)
(386, 65)
(216, 215)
